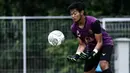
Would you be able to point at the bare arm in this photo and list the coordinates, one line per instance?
(81, 46)
(79, 54)
(98, 35)
(99, 41)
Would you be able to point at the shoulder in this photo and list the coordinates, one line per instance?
(73, 27)
(91, 19)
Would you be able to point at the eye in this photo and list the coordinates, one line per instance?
(73, 13)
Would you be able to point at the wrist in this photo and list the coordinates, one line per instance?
(95, 50)
(78, 52)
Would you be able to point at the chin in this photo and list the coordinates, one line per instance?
(75, 21)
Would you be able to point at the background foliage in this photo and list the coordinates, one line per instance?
(59, 7)
(59, 56)
(40, 56)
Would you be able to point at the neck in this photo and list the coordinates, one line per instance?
(82, 21)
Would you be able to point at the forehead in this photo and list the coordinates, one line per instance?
(73, 10)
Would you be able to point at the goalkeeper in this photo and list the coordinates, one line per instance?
(92, 39)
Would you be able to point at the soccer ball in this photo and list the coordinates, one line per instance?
(56, 37)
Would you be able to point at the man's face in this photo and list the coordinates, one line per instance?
(75, 14)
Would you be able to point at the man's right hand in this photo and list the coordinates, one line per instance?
(73, 58)
(76, 57)
(83, 55)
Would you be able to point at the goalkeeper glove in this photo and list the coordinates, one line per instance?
(83, 55)
(73, 58)
(92, 54)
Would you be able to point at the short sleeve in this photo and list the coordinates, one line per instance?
(73, 30)
(96, 28)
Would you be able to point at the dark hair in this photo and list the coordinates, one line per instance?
(77, 5)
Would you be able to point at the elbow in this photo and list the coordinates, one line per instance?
(82, 44)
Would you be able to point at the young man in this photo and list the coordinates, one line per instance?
(92, 38)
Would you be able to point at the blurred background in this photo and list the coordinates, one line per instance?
(25, 25)
(59, 7)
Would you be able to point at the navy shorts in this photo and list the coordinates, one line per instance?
(104, 54)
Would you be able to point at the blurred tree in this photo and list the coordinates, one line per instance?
(12, 32)
(58, 62)
(59, 7)
(121, 7)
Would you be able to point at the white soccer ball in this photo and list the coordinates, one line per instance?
(56, 37)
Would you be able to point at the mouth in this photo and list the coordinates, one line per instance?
(74, 19)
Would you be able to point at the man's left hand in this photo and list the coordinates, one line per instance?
(92, 54)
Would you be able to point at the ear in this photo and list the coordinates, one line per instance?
(82, 12)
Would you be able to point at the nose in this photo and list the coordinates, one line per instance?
(72, 15)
